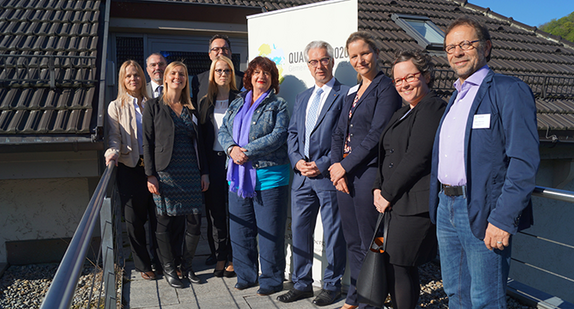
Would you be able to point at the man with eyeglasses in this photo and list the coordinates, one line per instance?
(155, 65)
(315, 114)
(484, 163)
(219, 45)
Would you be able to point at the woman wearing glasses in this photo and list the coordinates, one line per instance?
(212, 107)
(402, 185)
(365, 113)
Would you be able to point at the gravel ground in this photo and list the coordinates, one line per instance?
(25, 287)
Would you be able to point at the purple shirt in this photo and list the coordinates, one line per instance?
(451, 168)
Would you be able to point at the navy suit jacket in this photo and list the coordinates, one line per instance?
(373, 111)
(320, 139)
(501, 161)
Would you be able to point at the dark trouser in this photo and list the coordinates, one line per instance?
(264, 215)
(170, 231)
(306, 202)
(359, 219)
(216, 207)
(138, 207)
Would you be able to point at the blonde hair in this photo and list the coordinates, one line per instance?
(123, 94)
(212, 86)
(185, 98)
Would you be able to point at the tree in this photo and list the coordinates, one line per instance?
(563, 27)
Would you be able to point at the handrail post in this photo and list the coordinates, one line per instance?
(108, 271)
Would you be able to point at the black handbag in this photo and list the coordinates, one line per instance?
(372, 288)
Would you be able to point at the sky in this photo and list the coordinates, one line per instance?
(530, 12)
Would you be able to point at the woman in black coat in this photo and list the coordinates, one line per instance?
(221, 91)
(402, 185)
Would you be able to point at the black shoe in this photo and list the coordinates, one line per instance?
(294, 295)
(269, 291)
(172, 280)
(192, 277)
(218, 273)
(326, 297)
(229, 274)
(211, 260)
(243, 286)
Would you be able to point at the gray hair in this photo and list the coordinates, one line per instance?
(154, 54)
(318, 44)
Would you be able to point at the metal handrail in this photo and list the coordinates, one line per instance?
(555, 194)
(64, 284)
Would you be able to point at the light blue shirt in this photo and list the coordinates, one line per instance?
(451, 168)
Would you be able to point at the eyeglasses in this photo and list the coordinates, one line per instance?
(221, 71)
(464, 45)
(324, 61)
(220, 49)
(409, 79)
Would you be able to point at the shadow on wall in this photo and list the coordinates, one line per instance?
(345, 74)
(289, 88)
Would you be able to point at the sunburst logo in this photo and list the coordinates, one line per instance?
(275, 54)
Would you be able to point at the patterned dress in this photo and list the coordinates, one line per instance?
(180, 181)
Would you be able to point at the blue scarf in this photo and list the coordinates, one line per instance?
(242, 177)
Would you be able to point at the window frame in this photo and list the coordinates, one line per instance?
(400, 20)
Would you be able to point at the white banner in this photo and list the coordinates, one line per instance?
(282, 36)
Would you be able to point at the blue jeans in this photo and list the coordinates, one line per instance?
(264, 215)
(473, 276)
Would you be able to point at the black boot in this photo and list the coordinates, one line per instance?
(191, 242)
(167, 260)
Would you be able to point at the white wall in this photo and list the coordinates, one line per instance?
(44, 194)
(282, 36)
(40, 208)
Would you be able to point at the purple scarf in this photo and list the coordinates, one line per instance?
(242, 177)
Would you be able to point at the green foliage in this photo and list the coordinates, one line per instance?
(563, 27)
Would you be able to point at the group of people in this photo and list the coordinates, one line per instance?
(454, 178)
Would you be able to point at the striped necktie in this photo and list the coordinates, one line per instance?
(312, 115)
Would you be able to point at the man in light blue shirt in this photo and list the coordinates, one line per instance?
(485, 159)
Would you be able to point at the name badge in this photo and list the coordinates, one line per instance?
(481, 121)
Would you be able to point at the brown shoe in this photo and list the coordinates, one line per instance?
(148, 275)
(347, 306)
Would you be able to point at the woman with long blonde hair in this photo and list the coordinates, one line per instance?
(126, 151)
(212, 107)
(176, 171)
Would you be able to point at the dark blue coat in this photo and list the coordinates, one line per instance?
(320, 139)
(501, 161)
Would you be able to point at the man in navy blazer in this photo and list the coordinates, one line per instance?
(315, 115)
(484, 164)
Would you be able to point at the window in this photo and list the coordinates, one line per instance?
(422, 29)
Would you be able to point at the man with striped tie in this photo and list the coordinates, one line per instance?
(155, 65)
(315, 114)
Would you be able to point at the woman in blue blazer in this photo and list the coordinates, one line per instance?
(367, 109)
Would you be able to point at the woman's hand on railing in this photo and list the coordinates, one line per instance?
(153, 185)
(112, 157)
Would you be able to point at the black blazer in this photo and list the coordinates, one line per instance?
(158, 136)
(372, 113)
(200, 83)
(207, 129)
(405, 152)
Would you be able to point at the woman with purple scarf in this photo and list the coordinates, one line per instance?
(254, 134)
